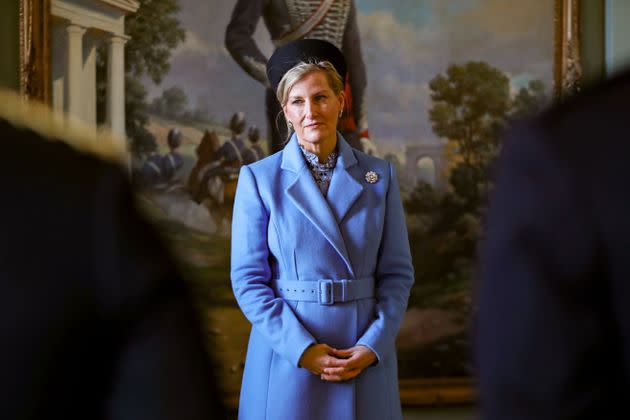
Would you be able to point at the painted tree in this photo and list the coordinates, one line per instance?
(471, 106)
(155, 32)
(175, 101)
(529, 100)
(469, 103)
(136, 117)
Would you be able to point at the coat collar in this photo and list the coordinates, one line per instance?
(293, 160)
(325, 214)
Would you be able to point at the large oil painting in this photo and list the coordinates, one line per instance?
(441, 80)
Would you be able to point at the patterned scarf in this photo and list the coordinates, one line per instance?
(322, 172)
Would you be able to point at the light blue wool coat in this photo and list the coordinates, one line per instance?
(284, 228)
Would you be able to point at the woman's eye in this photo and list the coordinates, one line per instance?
(296, 101)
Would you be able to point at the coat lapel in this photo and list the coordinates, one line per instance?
(344, 188)
(307, 197)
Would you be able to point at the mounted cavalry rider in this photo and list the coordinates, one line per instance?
(229, 159)
(254, 152)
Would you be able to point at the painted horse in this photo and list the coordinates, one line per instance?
(207, 182)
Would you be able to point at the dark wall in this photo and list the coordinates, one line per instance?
(592, 42)
(9, 44)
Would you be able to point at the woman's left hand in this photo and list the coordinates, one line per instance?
(353, 361)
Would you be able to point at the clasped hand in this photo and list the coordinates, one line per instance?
(336, 365)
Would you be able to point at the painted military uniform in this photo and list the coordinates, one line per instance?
(231, 155)
(282, 17)
(172, 161)
(252, 154)
(152, 172)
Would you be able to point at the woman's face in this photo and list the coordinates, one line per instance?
(313, 109)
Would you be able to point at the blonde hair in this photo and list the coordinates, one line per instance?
(299, 71)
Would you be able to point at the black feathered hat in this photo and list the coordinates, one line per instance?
(289, 55)
(253, 134)
(174, 138)
(238, 122)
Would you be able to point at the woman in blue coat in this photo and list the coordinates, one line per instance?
(320, 258)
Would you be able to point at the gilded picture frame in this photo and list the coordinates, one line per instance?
(35, 50)
(35, 83)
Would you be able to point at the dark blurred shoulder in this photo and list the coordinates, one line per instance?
(587, 129)
(607, 99)
(30, 159)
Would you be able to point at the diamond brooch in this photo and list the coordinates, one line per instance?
(371, 177)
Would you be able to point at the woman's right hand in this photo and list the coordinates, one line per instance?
(318, 357)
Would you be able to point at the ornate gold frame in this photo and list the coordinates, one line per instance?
(35, 81)
(437, 392)
(35, 59)
(567, 67)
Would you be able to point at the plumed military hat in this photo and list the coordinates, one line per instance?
(289, 55)
(238, 122)
(253, 134)
(174, 138)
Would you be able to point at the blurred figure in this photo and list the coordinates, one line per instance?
(553, 333)
(254, 152)
(96, 322)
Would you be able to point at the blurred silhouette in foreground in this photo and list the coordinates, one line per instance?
(96, 322)
(553, 327)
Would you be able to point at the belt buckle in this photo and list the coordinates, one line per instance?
(326, 292)
(345, 291)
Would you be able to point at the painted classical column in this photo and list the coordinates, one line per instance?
(59, 68)
(116, 85)
(75, 69)
(89, 78)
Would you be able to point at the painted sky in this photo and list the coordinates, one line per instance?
(405, 44)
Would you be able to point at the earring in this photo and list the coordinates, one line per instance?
(340, 113)
(289, 125)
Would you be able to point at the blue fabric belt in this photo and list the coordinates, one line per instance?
(325, 291)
